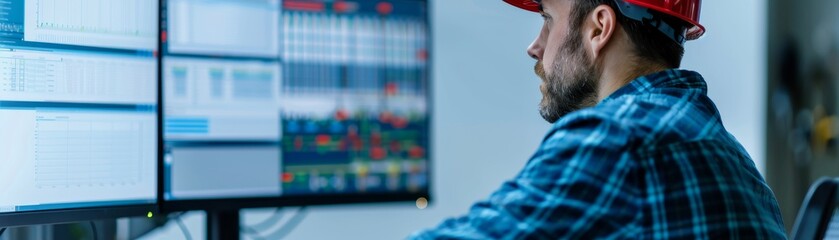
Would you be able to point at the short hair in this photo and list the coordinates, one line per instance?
(650, 43)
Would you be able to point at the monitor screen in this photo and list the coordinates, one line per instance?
(78, 104)
(270, 98)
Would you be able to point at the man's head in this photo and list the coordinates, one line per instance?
(588, 48)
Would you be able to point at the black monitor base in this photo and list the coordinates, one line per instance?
(223, 225)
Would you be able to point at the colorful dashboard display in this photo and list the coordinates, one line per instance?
(355, 97)
(302, 97)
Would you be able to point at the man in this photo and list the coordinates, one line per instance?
(637, 149)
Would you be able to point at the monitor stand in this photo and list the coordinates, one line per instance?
(223, 225)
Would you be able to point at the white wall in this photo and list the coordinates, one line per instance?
(732, 58)
(486, 119)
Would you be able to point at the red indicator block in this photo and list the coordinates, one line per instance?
(417, 152)
(341, 115)
(378, 153)
(288, 177)
(384, 8)
(344, 7)
(422, 55)
(399, 122)
(298, 143)
(391, 89)
(322, 140)
(304, 6)
(385, 116)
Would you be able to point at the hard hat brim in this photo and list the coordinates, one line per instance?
(528, 5)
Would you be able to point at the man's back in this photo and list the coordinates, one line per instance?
(652, 160)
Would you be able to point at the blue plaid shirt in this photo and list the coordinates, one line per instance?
(651, 161)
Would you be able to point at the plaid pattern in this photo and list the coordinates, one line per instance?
(652, 161)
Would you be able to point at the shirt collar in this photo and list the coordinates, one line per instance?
(671, 78)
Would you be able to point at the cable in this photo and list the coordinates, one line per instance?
(93, 228)
(251, 233)
(264, 225)
(289, 226)
(182, 226)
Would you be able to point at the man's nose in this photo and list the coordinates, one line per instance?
(536, 50)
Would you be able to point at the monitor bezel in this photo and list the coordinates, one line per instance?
(70, 215)
(231, 204)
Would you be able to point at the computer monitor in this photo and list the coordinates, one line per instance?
(78, 109)
(294, 102)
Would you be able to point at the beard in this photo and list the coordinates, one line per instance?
(573, 83)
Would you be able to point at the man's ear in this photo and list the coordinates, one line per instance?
(601, 25)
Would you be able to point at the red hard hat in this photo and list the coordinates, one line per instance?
(687, 10)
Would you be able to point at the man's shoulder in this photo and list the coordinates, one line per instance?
(664, 115)
(593, 128)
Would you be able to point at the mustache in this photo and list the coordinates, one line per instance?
(539, 69)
